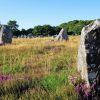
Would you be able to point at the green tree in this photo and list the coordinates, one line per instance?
(37, 30)
(13, 25)
(46, 30)
(29, 30)
(75, 25)
(23, 32)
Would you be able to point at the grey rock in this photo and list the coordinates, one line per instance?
(5, 34)
(89, 52)
(30, 35)
(62, 35)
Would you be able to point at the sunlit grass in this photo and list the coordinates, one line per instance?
(39, 67)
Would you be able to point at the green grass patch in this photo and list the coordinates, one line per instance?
(53, 81)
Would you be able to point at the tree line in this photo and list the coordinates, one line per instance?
(72, 27)
(75, 26)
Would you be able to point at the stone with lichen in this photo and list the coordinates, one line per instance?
(89, 53)
(5, 34)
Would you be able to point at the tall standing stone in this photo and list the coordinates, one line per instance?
(62, 35)
(5, 34)
(89, 53)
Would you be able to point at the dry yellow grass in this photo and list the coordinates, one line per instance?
(46, 59)
(23, 51)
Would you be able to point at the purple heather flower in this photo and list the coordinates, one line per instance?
(78, 88)
(85, 92)
(5, 78)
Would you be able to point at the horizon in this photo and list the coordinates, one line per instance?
(53, 12)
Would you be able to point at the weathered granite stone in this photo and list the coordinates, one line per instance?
(89, 53)
(62, 35)
(5, 34)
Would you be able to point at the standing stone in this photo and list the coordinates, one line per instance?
(62, 35)
(89, 53)
(5, 34)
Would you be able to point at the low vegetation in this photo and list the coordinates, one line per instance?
(38, 69)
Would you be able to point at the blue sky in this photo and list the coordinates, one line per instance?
(29, 13)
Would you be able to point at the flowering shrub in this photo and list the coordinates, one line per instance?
(84, 92)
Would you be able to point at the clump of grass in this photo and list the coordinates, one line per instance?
(17, 87)
(53, 81)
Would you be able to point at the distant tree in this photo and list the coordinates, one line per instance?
(29, 30)
(13, 25)
(56, 30)
(16, 33)
(46, 30)
(37, 30)
(75, 26)
(24, 32)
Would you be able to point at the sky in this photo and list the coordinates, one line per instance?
(30, 13)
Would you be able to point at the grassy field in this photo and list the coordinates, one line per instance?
(38, 69)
